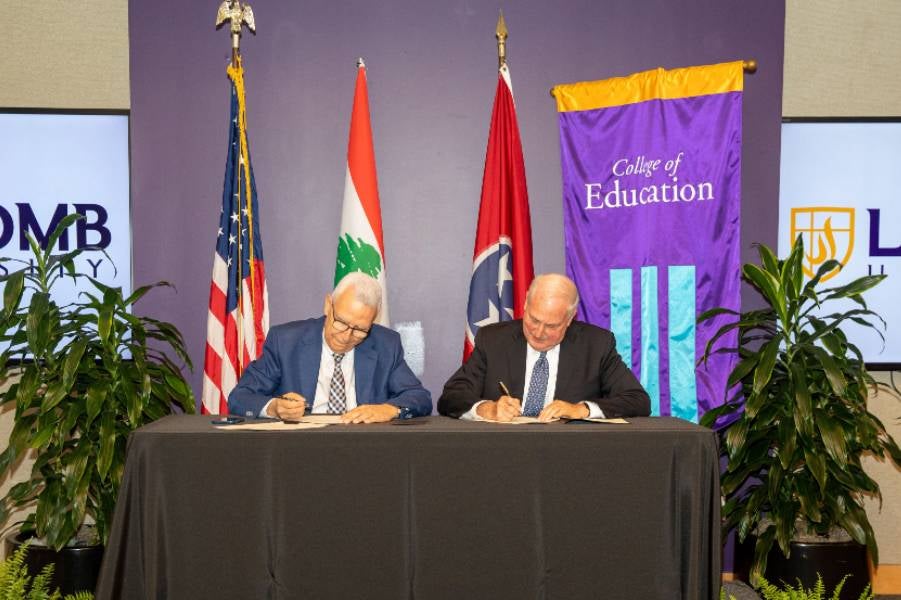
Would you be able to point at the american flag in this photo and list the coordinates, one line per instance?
(238, 318)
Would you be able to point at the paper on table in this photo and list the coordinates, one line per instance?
(520, 420)
(611, 421)
(271, 426)
(326, 419)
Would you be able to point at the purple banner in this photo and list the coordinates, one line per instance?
(651, 200)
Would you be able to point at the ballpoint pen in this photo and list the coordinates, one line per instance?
(292, 421)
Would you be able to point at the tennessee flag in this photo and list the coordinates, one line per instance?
(502, 258)
(360, 244)
(238, 317)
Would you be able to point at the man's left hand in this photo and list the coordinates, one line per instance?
(370, 413)
(561, 409)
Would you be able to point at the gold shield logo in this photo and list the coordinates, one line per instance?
(828, 234)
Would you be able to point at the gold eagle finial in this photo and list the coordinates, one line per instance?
(237, 14)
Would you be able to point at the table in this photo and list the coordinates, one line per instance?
(429, 508)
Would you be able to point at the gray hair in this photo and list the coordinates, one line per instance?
(366, 289)
(555, 285)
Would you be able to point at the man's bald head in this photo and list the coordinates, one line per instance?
(551, 304)
(554, 285)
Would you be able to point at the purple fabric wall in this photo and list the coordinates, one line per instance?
(432, 74)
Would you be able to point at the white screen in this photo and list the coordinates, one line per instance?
(52, 164)
(848, 173)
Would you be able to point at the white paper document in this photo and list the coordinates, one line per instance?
(324, 419)
(521, 420)
(271, 426)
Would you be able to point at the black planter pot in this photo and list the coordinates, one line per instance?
(75, 568)
(831, 560)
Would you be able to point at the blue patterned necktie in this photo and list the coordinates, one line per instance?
(537, 387)
(337, 399)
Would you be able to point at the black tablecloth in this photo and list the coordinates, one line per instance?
(424, 509)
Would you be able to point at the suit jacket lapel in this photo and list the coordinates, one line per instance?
(516, 364)
(365, 357)
(311, 357)
(566, 365)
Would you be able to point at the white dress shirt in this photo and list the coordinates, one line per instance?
(326, 370)
(553, 362)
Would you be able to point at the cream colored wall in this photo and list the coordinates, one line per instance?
(886, 520)
(19, 473)
(58, 54)
(842, 60)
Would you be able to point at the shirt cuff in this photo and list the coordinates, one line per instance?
(594, 411)
(263, 414)
(471, 414)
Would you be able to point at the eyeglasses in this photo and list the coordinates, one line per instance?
(340, 326)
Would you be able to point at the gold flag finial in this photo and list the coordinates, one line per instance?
(238, 15)
(500, 32)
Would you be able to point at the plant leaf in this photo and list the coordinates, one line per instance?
(37, 323)
(742, 369)
(765, 367)
(768, 285)
(73, 360)
(856, 287)
(833, 373)
(768, 259)
(761, 550)
(12, 293)
(96, 395)
(833, 438)
(107, 444)
(736, 436)
(802, 396)
(54, 395)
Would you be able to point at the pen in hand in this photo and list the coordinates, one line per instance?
(286, 397)
(303, 409)
(506, 411)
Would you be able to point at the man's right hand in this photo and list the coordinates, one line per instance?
(505, 408)
(288, 407)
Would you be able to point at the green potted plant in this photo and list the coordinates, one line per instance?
(817, 592)
(799, 592)
(17, 582)
(797, 423)
(82, 377)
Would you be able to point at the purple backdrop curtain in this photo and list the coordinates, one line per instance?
(651, 194)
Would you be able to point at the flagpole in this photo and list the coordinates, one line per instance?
(500, 32)
(238, 314)
(502, 266)
(238, 16)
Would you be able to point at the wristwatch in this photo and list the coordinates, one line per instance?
(405, 413)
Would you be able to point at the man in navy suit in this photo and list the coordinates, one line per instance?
(546, 365)
(340, 363)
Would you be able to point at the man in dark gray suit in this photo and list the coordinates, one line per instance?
(546, 365)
